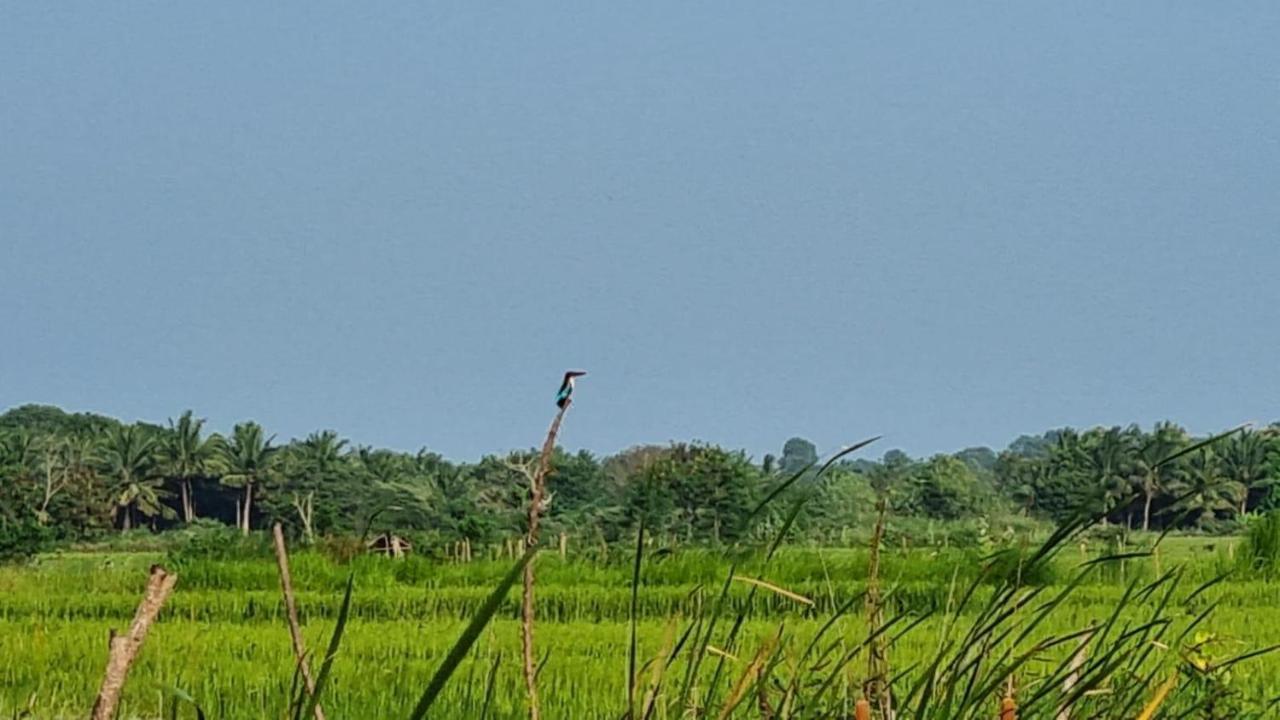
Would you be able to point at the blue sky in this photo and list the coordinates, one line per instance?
(950, 223)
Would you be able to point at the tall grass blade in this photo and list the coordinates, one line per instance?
(178, 695)
(322, 678)
(489, 685)
(775, 589)
(469, 636)
(633, 620)
(1201, 444)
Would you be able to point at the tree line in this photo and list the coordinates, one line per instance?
(76, 476)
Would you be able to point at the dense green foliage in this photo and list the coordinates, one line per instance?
(79, 476)
(1212, 488)
(22, 539)
(1261, 552)
(751, 626)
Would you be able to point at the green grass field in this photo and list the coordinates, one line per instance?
(223, 638)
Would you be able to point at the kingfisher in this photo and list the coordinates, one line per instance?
(566, 388)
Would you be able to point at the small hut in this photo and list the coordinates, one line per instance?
(389, 544)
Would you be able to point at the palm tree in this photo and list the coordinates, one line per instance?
(1165, 439)
(19, 462)
(1203, 492)
(321, 452)
(1065, 485)
(1271, 436)
(18, 449)
(80, 461)
(1023, 487)
(1244, 464)
(128, 459)
(381, 466)
(187, 456)
(318, 465)
(1109, 459)
(246, 462)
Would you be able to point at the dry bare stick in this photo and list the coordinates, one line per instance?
(123, 649)
(306, 511)
(291, 612)
(1158, 699)
(750, 676)
(877, 690)
(1008, 706)
(537, 496)
(1077, 662)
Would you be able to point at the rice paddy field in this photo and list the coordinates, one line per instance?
(222, 639)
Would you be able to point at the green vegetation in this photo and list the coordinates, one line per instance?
(223, 639)
(1261, 552)
(682, 581)
(82, 476)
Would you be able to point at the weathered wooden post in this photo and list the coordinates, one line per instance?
(123, 649)
(291, 614)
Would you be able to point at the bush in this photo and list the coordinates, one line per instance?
(1223, 526)
(22, 540)
(137, 540)
(214, 541)
(341, 548)
(1261, 551)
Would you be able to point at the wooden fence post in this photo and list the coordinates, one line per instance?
(291, 614)
(124, 648)
(1077, 662)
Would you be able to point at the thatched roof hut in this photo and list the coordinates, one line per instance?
(390, 545)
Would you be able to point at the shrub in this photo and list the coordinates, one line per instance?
(340, 548)
(21, 540)
(139, 540)
(1223, 526)
(1261, 551)
(214, 541)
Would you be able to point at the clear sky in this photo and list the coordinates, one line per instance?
(947, 222)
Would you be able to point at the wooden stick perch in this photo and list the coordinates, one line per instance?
(291, 612)
(877, 688)
(537, 492)
(123, 649)
(1077, 662)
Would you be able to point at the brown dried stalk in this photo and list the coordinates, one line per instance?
(537, 498)
(1077, 662)
(750, 676)
(877, 690)
(1008, 708)
(291, 612)
(123, 649)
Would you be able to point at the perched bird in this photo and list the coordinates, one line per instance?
(566, 388)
